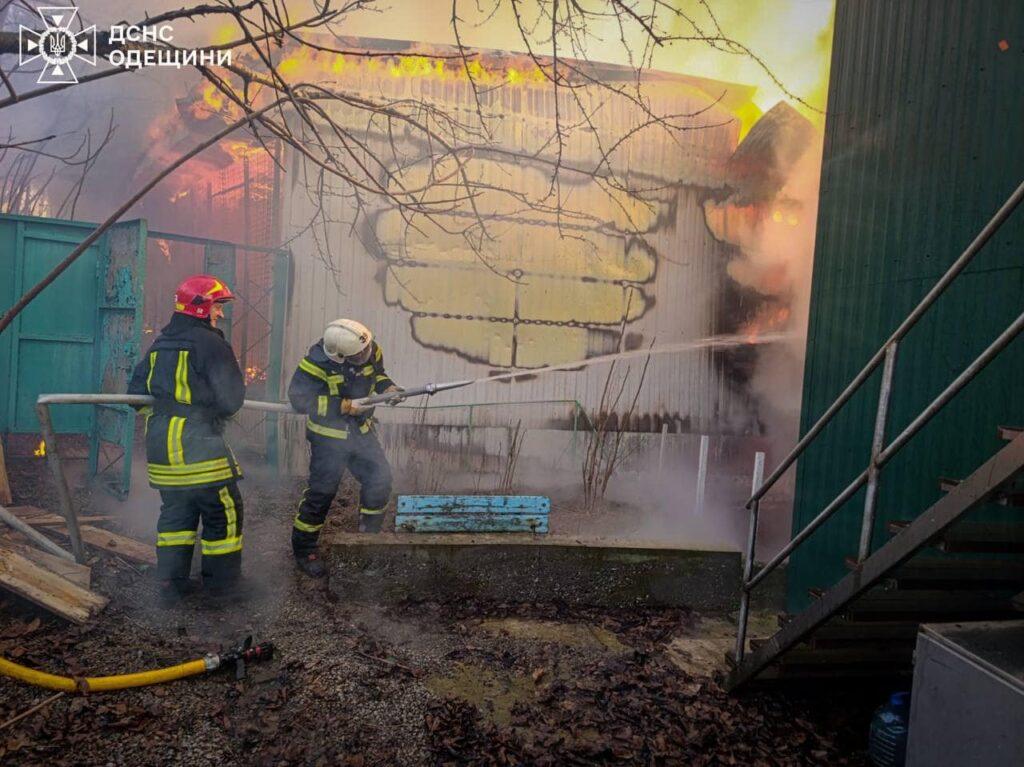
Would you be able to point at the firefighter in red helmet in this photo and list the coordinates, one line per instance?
(192, 373)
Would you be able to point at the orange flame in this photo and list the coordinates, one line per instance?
(254, 374)
(40, 451)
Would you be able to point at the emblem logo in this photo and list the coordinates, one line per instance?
(57, 45)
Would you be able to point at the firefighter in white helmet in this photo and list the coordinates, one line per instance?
(345, 365)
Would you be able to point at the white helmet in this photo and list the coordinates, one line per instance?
(346, 338)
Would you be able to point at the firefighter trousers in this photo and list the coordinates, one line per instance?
(360, 454)
(220, 510)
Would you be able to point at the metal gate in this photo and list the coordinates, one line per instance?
(254, 324)
(84, 333)
(81, 334)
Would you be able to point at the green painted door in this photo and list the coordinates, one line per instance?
(81, 334)
(51, 342)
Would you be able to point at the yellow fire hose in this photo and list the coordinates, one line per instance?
(244, 653)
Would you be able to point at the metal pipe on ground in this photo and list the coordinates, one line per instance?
(34, 535)
(67, 509)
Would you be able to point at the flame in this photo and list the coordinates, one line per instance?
(213, 97)
(178, 195)
(225, 33)
(310, 64)
(165, 249)
(770, 319)
(240, 149)
(253, 373)
(40, 452)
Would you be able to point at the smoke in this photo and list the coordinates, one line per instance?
(788, 256)
(771, 219)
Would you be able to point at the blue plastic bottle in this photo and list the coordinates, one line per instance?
(887, 739)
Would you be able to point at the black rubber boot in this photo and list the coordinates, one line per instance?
(370, 523)
(311, 565)
(173, 590)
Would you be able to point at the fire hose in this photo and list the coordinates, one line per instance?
(237, 658)
(393, 397)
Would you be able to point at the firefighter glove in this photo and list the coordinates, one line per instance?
(349, 407)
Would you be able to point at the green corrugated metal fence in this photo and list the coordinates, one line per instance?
(924, 141)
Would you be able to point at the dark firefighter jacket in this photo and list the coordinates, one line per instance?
(191, 371)
(320, 384)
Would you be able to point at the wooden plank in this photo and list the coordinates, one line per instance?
(977, 537)
(32, 534)
(26, 512)
(473, 513)
(5, 485)
(1008, 433)
(77, 573)
(55, 520)
(992, 537)
(957, 574)
(72, 571)
(472, 522)
(893, 653)
(48, 590)
(929, 605)
(129, 548)
(37, 516)
(440, 504)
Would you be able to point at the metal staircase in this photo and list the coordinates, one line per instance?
(867, 622)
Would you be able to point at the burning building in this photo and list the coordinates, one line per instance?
(592, 272)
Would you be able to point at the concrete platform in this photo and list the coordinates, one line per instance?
(601, 572)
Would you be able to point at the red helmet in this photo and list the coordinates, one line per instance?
(198, 293)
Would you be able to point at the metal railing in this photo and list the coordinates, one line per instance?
(470, 407)
(44, 401)
(881, 454)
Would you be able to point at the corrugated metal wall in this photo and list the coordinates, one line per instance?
(440, 314)
(924, 141)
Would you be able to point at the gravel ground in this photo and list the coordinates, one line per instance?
(357, 684)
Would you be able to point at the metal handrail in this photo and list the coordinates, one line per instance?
(880, 454)
(44, 401)
(958, 266)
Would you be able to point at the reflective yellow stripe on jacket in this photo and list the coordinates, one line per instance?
(327, 431)
(186, 474)
(152, 367)
(333, 380)
(182, 391)
(175, 446)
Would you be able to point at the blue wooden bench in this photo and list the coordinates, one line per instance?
(472, 514)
